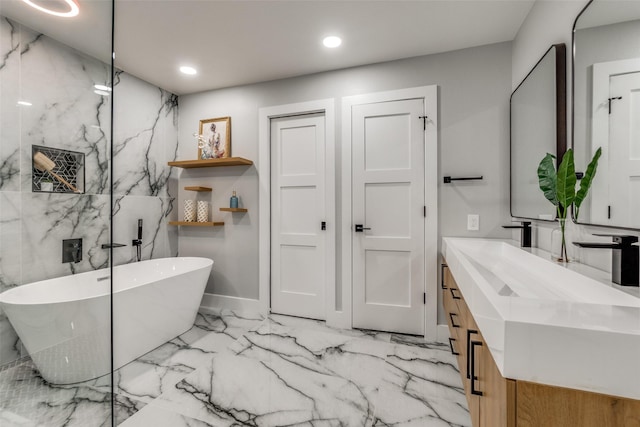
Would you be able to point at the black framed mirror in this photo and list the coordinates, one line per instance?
(538, 125)
(606, 109)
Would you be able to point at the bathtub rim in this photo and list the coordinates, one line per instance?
(206, 263)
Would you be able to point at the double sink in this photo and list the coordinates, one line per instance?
(544, 322)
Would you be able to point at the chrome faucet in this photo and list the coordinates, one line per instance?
(625, 259)
(137, 243)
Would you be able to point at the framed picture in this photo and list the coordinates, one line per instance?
(215, 138)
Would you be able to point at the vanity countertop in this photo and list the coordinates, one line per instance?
(549, 323)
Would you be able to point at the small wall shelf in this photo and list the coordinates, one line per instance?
(198, 188)
(197, 224)
(234, 210)
(209, 163)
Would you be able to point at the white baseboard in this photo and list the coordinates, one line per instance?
(215, 301)
(443, 334)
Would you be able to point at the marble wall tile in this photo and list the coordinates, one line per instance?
(145, 137)
(10, 117)
(49, 218)
(10, 267)
(10, 241)
(66, 113)
(10, 347)
(157, 235)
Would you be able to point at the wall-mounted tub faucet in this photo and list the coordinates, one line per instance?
(525, 234)
(137, 243)
(625, 259)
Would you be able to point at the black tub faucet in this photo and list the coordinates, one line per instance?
(525, 234)
(137, 243)
(625, 259)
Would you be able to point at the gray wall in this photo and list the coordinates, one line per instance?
(474, 87)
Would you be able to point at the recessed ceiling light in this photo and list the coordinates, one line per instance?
(332, 41)
(188, 70)
(62, 8)
(101, 92)
(102, 87)
(25, 103)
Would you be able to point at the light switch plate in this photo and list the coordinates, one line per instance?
(473, 222)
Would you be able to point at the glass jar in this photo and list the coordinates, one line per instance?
(562, 248)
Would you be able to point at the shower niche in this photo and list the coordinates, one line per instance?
(55, 170)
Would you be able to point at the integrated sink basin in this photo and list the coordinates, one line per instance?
(544, 322)
(511, 271)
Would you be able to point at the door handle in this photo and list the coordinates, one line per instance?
(469, 360)
(442, 267)
(453, 323)
(360, 228)
(451, 340)
(474, 377)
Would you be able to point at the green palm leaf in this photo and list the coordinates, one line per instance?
(547, 178)
(566, 185)
(585, 183)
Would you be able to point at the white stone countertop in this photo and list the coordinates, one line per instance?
(550, 323)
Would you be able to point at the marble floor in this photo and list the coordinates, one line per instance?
(239, 370)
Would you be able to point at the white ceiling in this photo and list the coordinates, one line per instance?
(239, 42)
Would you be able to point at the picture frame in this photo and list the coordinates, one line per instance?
(215, 138)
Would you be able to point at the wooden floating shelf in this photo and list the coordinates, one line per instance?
(198, 188)
(197, 224)
(209, 163)
(234, 210)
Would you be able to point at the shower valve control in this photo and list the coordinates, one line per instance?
(72, 250)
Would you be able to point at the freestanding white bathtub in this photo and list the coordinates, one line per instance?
(64, 323)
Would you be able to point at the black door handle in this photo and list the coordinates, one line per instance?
(472, 357)
(469, 361)
(442, 267)
(451, 340)
(360, 228)
(453, 323)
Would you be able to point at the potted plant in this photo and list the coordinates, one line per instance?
(559, 187)
(46, 184)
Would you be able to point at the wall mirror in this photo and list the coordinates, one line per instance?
(538, 126)
(606, 109)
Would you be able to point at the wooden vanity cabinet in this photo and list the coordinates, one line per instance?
(495, 401)
(491, 397)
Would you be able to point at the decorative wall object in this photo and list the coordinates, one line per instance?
(189, 210)
(203, 211)
(68, 166)
(214, 138)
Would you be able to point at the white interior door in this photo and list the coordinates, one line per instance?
(298, 205)
(388, 196)
(624, 149)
